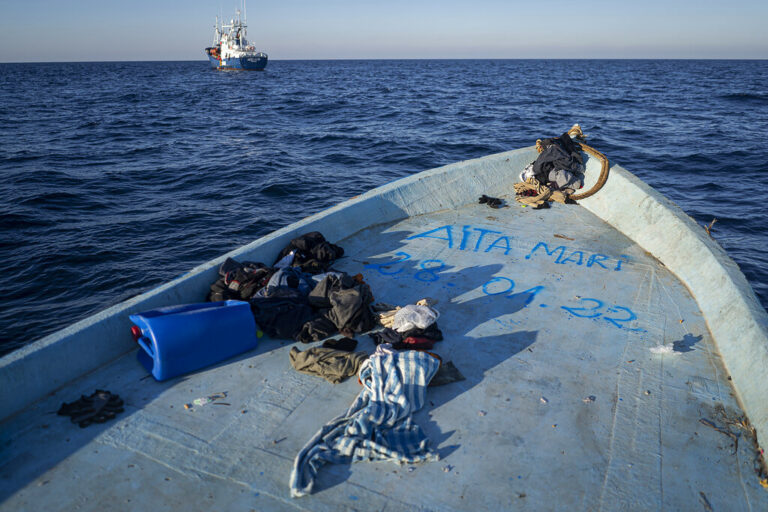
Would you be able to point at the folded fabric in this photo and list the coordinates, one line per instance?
(332, 365)
(378, 425)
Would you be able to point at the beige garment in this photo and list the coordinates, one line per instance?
(387, 317)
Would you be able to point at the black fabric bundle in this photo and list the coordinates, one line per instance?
(559, 153)
(98, 407)
(239, 281)
(344, 306)
(292, 305)
(493, 202)
(313, 253)
(283, 313)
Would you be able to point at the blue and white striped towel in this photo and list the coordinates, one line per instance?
(378, 425)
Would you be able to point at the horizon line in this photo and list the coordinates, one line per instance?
(403, 59)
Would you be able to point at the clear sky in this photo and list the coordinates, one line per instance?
(87, 30)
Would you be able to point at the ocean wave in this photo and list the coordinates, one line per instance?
(278, 190)
(128, 174)
(746, 97)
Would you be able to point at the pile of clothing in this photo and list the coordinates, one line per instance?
(413, 327)
(299, 297)
(556, 174)
(379, 424)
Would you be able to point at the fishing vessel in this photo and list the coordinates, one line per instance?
(231, 48)
(615, 358)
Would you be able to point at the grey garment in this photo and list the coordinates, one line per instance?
(319, 296)
(565, 179)
(347, 302)
(333, 365)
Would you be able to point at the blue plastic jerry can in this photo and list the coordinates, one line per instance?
(181, 339)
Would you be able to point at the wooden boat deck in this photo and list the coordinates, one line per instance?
(549, 314)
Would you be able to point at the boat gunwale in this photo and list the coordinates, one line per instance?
(79, 343)
(737, 321)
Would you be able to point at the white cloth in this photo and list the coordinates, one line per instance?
(413, 316)
(379, 425)
(527, 173)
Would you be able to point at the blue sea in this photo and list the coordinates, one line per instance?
(117, 177)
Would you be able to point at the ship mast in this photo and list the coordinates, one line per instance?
(245, 23)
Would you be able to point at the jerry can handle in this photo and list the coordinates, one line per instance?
(147, 348)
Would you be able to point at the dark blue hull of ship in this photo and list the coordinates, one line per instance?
(252, 63)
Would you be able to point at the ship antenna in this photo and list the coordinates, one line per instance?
(245, 19)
